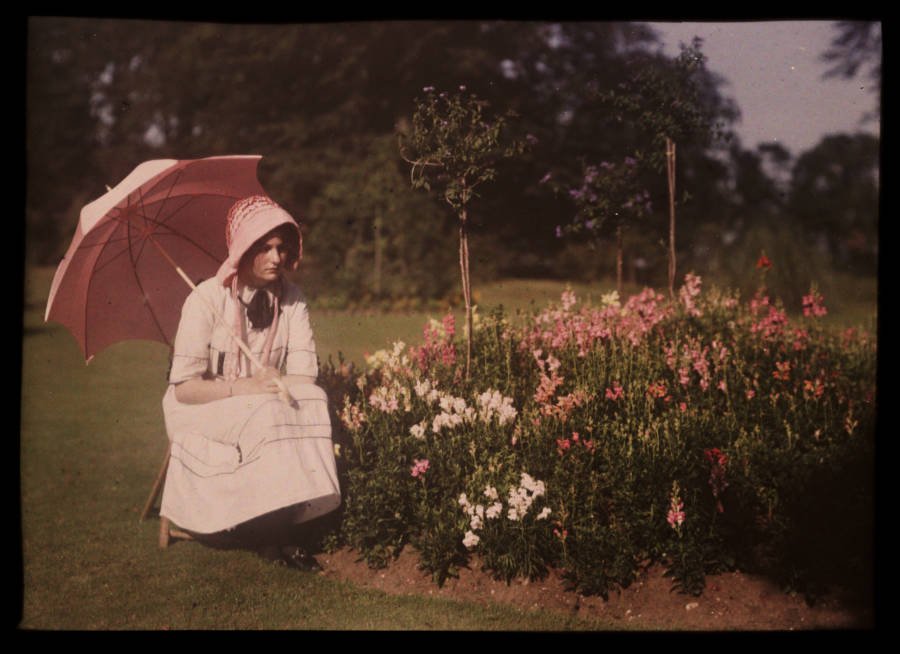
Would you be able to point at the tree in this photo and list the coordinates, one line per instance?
(671, 102)
(454, 146)
(609, 194)
(856, 46)
(834, 195)
(379, 233)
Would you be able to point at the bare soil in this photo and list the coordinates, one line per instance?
(731, 601)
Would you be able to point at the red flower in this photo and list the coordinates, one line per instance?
(763, 263)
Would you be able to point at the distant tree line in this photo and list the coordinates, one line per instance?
(325, 103)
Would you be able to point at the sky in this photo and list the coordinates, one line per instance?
(775, 77)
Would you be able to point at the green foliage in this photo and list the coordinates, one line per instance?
(374, 235)
(834, 196)
(455, 146)
(671, 100)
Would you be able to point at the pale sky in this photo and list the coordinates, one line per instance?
(776, 80)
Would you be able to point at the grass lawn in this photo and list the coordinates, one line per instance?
(92, 440)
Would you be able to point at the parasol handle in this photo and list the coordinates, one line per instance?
(285, 394)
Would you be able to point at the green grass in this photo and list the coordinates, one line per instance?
(92, 440)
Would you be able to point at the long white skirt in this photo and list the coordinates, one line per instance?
(245, 456)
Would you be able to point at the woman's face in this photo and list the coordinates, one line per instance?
(264, 262)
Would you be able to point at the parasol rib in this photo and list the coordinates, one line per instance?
(140, 286)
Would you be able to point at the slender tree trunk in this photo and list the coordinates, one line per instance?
(670, 169)
(379, 245)
(619, 260)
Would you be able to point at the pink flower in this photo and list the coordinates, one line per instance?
(682, 406)
(688, 292)
(783, 371)
(815, 388)
(812, 305)
(420, 466)
(614, 393)
(676, 515)
(750, 393)
(656, 390)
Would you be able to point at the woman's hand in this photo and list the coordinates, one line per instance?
(201, 391)
(263, 381)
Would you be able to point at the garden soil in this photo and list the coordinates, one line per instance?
(731, 601)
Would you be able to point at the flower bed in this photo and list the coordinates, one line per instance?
(703, 433)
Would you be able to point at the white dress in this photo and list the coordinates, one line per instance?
(241, 457)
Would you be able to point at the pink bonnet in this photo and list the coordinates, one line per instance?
(249, 220)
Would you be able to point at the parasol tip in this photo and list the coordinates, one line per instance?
(108, 187)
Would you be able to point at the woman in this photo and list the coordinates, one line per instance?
(246, 462)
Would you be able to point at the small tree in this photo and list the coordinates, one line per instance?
(609, 194)
(453, 148)
(668, 104)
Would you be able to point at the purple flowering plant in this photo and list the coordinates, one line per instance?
(608, 194)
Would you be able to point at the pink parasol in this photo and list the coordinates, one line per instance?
(123, 276)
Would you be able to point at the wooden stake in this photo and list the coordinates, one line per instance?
(670, 169)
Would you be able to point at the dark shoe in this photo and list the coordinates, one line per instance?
(297, 557)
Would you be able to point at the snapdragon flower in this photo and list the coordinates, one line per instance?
(493, 404)
(471, 539)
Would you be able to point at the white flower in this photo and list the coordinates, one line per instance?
(529, 483)
(492, 403)
(479, 510)
(384, 399)
(463, 500)
(418, 430)
(422, 388)
(493, 510)
(610, 299)
(476, 522)
(512, 514)
(545, 513)
(470, 540)
(490, 492)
